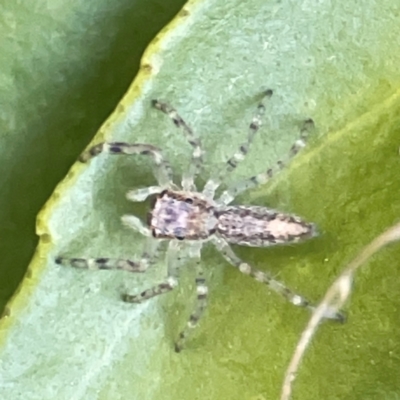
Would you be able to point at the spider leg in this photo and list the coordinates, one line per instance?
(256, 180)
(163, 171)
(201, 301)
(142, 194)
(104, 263)
(233, 162)
(267, 279)
(167, 285)
(197, 155)
(136, 224)
(148, 256)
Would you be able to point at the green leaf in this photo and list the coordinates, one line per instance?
(64, 67)
(68, 335)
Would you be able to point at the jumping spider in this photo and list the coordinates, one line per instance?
(188, 218)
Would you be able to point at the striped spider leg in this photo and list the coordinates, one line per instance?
(187, 219)
(163, 174)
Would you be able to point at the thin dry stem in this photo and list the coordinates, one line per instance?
(333, 301)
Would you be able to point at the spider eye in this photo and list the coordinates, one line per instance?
(189, 200)
(179, 237)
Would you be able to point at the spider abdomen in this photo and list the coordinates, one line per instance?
(260, 226)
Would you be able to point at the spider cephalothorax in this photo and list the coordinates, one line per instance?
(182, 215)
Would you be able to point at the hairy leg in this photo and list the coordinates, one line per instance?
(136, 224)
(256, 180)
(168, 284)
(197, 155)
(232, 163)
(103, 263)
(163, 171)
(267, 279)
(143, 193)
(201, 300)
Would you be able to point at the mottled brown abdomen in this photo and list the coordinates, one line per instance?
(260, 226)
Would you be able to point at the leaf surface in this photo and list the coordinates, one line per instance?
(67, 333)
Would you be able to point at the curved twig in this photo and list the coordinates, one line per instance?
(333, 301)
